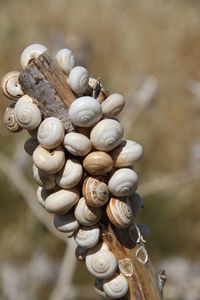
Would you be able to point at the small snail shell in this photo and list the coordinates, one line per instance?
(119, 213)
(66, 223)
(27, 113)
(47, 181)
(98, 286)
(123, 182)
(86, 215)
(116, 287)
(10, 86)
(136, 203)
(42, 194)
(126, 154)
(70, 175)
(85, 111)
(10, 120)
(80, 253)
(30, 145)
(101, 264)
(113, 105)
(78, 80)
(51, 133)
(98, 163)
(77, 144)
(30, 53)
(66, 60)
(87, 237)
(95, 191)
(62, 201)
(106, 135)
(49, 161)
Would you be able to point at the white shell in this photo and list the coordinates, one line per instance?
(10, 86)
(49, 161)
(66, 223)
(30, 53)
(85, 111)
(123, 182)
(87, 237)
(66, 60)
(106, 135)
(113, 105)
(77, 144)
(51, 133)
(62, 201)
(27, 113)
(47, 181)
(30, 145)
(136, 203)
(70, 175)
(78, 80)
(86, 215)
(116, 287)
(42, 194)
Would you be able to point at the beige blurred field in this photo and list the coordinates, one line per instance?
(121, 42)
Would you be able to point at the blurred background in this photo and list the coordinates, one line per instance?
(149, 51)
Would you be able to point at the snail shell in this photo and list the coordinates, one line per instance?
(66, 223)
(77, 144)
(85, 111)
(98, 163)
(78, 80)
(49, 161)
(87, 237)
(30, 145)
(113, 105)
(66, 60)
(27, 113)
(95, 191)
(136, 203)
(10, 120)
(119, 213)
(106, 135)
(47, 181)
(98, 286)
(126, 154)
(86, 215)
(80, 253)
(70, 175)
(62, 201)
(42, 194)
(51, 133)
(30, 53)
(123, 182)
(116, 287)
(10, 86)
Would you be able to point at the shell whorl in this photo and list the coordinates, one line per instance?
(10, 86)
(10, 121)
(30, 53)
(87, 215)
(116, 287)
(87, 237)
(78, 80)
(66, 60)
(119, 213)
(98, 163)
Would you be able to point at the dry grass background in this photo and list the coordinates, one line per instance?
(123, 39)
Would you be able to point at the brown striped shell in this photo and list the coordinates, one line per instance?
(10, 86)
(10, 121)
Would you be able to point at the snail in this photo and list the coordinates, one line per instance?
(51, 133)
(77, 144)
(126, 154)
(27, 113)
(106, 135)
(62, 201)
(10, 121)
(95, 191)
(66, 223)
(136, 203)
(10, 86)
(123, 182)
(70, 175)
(119, 213)
(87, 237)
(98, 163)
(80, 253)
(30, 53)
(86, 215)
(98, 286)
(49, 161)
(47, 181)
(85, 111)
(112, 105)
(78, 80)
(66, 60)
(30, 145)
(116, 287)
(42, 194)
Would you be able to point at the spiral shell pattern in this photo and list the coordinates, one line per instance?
(87, 237)
(10, 120)
(10, 86)
(119, 213)
(78, 80)
(113, 105)
(116, 287)
(86, 215)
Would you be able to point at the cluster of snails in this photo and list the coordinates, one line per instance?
(83, 173)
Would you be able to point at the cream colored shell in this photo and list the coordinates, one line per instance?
(86, 215)
(106, 135)
(49, 161)
(116, 287)
(51, 133)
(119, 213)
(77, 144)
(70, 175)
(113, 105)
(66, 60)
(30, 145)
(42, 194)
(98, 163)
(66, 223)
(10, 86)
(78, 80)
(87, 237)
(123, 182)
(10, 120)
(30, 53)
(47, 181)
